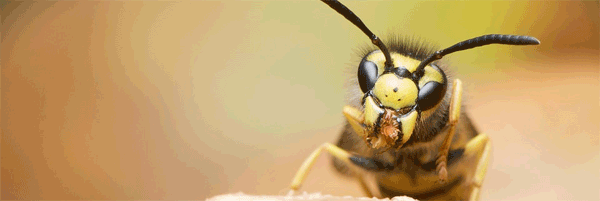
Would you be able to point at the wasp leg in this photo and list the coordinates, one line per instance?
(349, 159)
(455, 103)
(309, 162)
(355, 118)
(369, 190)
(478, 148)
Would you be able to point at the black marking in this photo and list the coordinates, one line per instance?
(398, 142)
(425, 195)
(377, 126)
(405, 110)
(396, 90)
(414, 134)
(399, 99)
(386, 95)
(402, 72)
(371, 163)
(453, 157)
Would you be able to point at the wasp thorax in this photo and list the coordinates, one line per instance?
(395, 92)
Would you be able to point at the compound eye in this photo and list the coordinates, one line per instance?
(430, 95)
(367, 75)
(433, 88)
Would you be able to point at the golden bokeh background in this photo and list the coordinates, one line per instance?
(188, 100)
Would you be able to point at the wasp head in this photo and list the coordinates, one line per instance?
(393, 98)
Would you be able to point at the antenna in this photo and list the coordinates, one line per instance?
(477, 42)
(348, 14)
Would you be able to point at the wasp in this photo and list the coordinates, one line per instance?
(407, 132)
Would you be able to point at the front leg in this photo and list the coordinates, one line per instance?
(366, 163)
(454, 114)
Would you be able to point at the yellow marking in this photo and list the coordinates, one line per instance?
(378, 58)
(475, 147)
(483, 164)
(455, 102)
(405, 95)
(474, 194)
(408, 124)
(309, 162)
(355, 118)
(478, 148)
(431, 75)
(372, 111)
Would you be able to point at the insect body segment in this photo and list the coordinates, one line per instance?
(417, 142)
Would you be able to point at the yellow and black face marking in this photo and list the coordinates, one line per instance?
(395, 97)
(417, 141)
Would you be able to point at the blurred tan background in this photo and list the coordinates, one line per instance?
(188, 100)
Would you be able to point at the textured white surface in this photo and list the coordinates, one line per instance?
(303, 196)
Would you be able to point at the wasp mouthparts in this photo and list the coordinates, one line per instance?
(389, 130)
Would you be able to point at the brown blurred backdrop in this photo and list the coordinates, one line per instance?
(187, 100)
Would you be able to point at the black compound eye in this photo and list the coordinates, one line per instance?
(367, 75)
(430, 95)
(432, 92)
